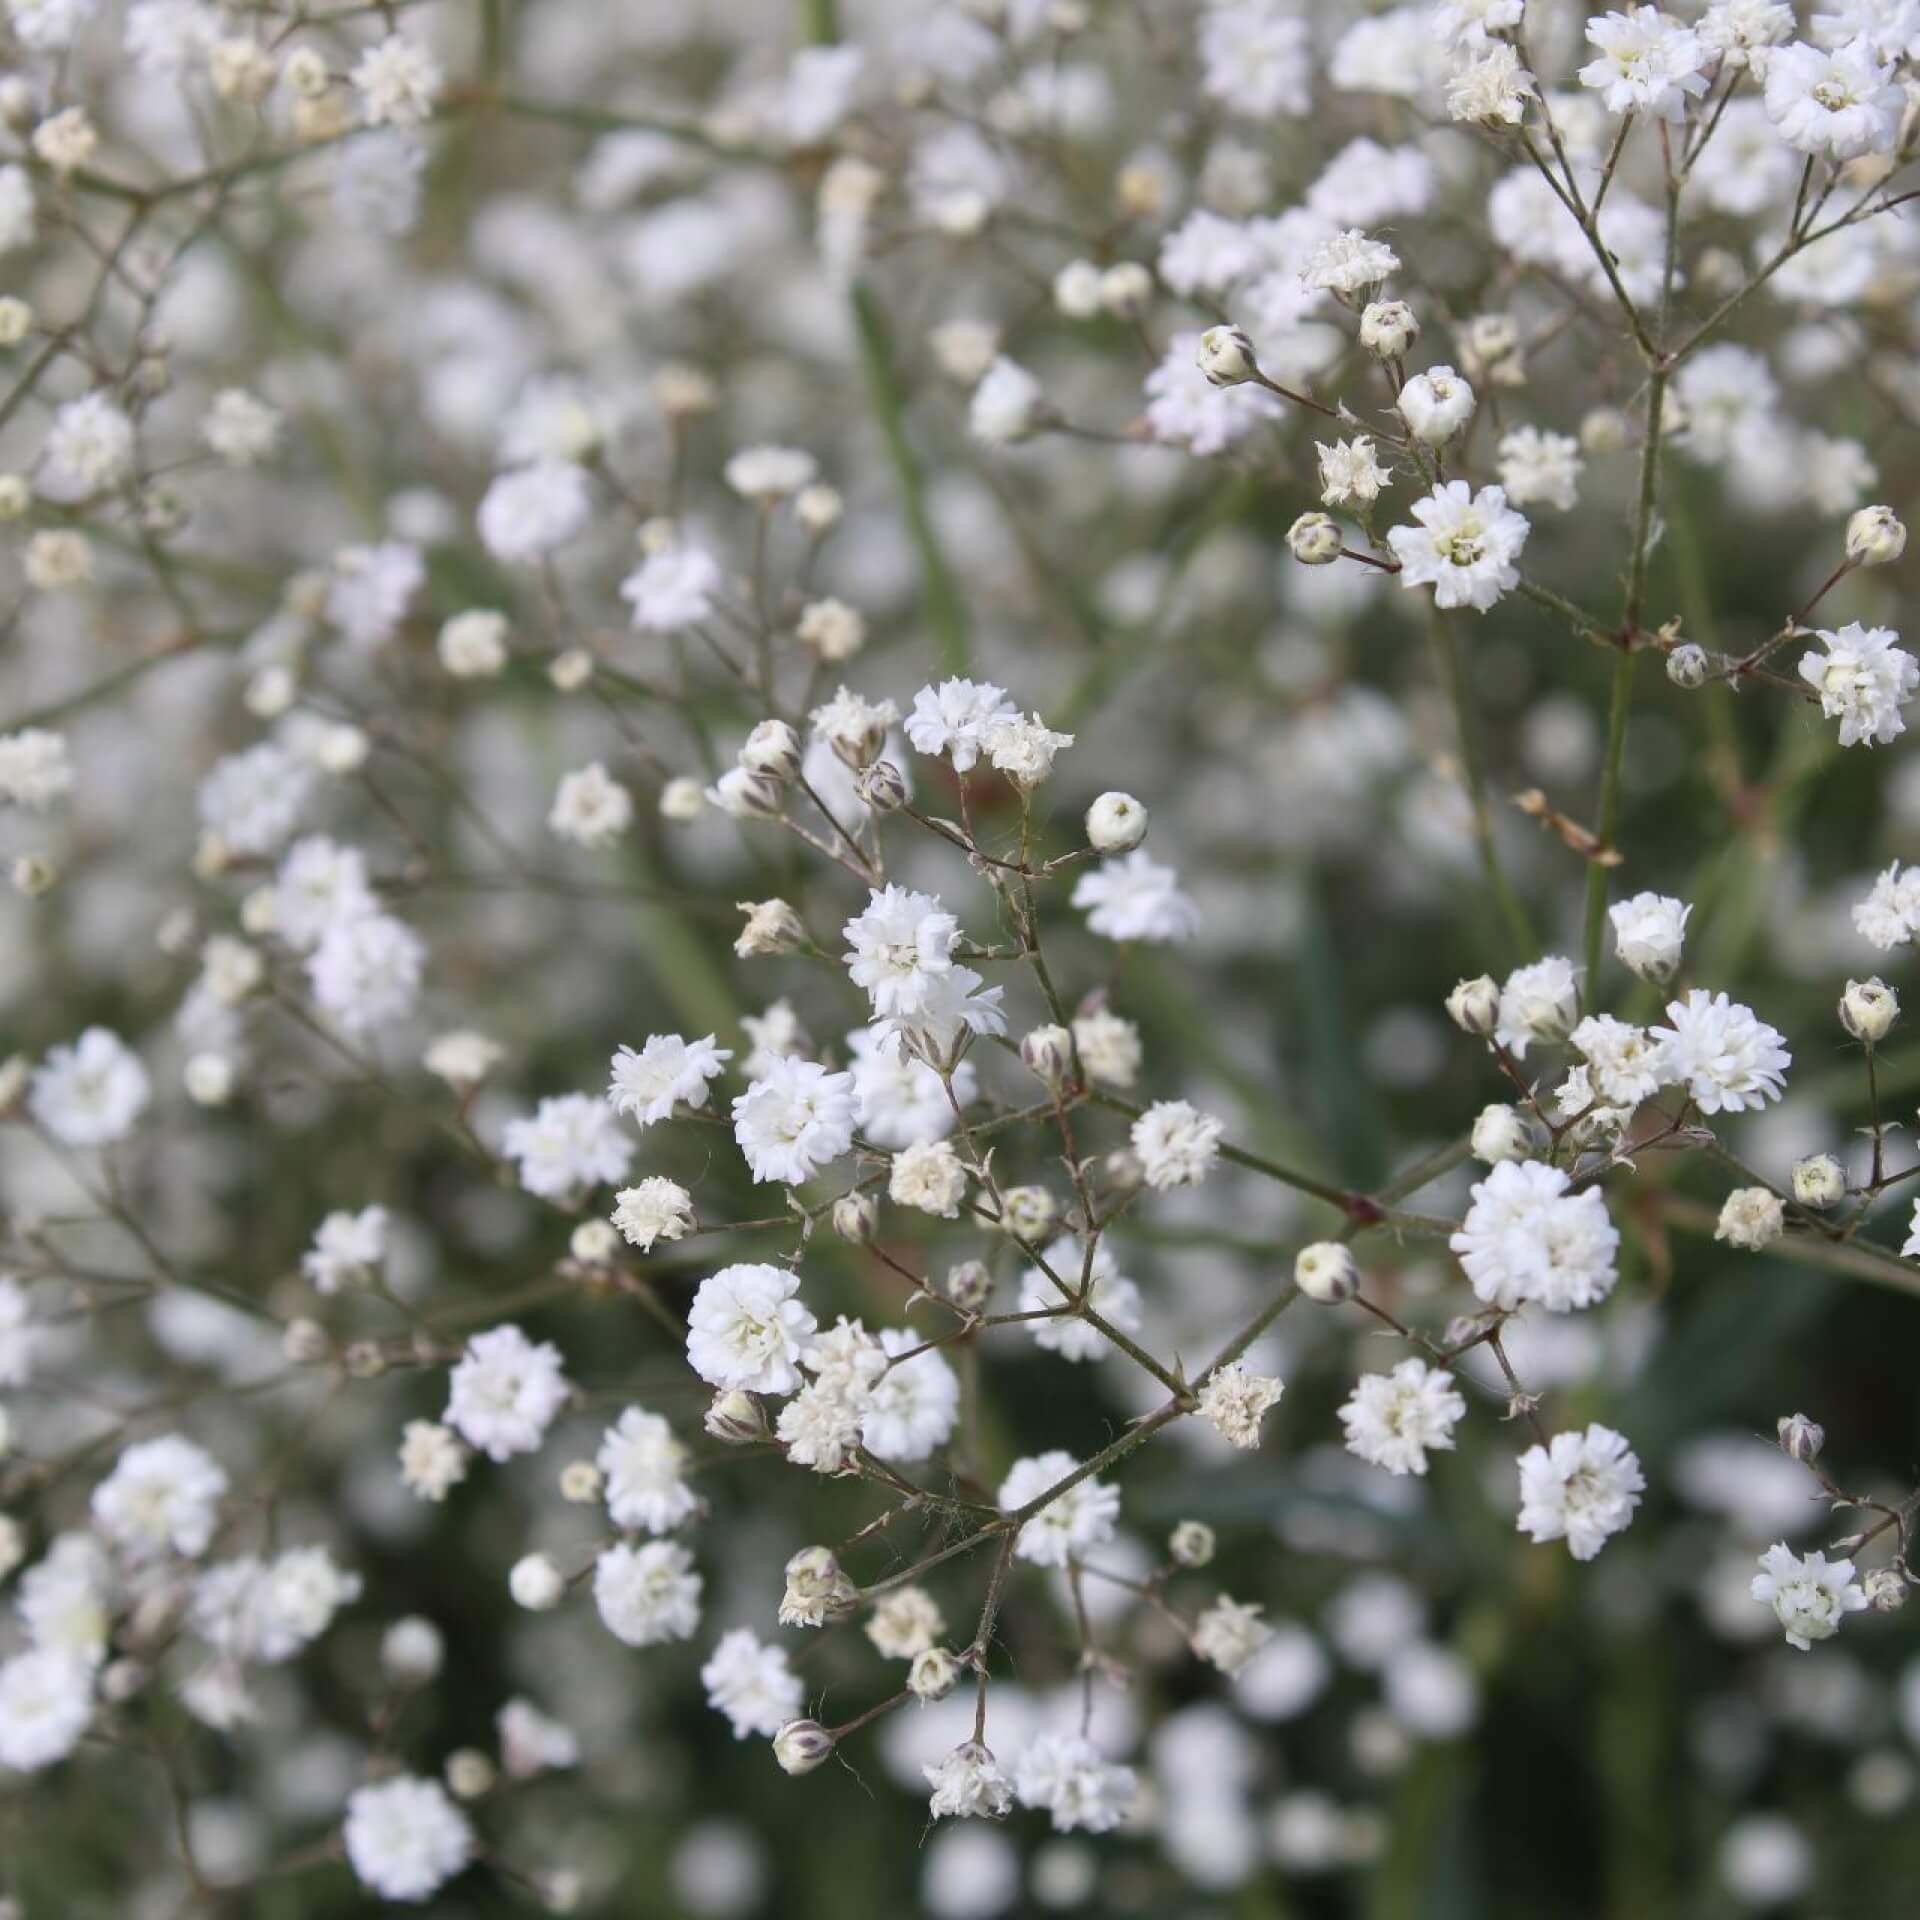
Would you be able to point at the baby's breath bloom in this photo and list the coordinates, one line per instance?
(1580, 1487)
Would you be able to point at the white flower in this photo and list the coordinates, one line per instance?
(1649, 934)
(1229, 1634)
(1068, 1526)
(370, 590)
(1751, 1218)
(1581, 1487)
(1464, 547)
(745, 1329)
(1470, 23)
(794, 1121)
(1526, 1237)
(667, 1072)
(365, 972)
(319, 886)
(1436, 405)
(1236, 1401)
(1841, 103)
(1625, 1064)
(644, 1467)
(163, 1496)
(16, 1333)
(570, 1142)
(1648, 63)
(896, 945)
(766, 474)
(672, 591)
(1394, 1419)
(1136, 898)
(1009, 405)
(91, 1093)
(900, 1101)
(1728, 1060)
(89, 448)
(240, 427)
(347, 1249)
(527, 513)
(968, 1784)
(1890, 915)
(1349, 262)
(1540, 466)
(1810, 1595)
(912, 1407)
(432, 1460)
(1176, 1143)
(532, 1742)
(405, 1838)
(590, 807)
(930, 1177)
(1110, 1293)
(34, 768)
(46, 1700)
(954, 719)
(958, 1005)
(656, 1209)
(751, 1683)
(1109, 1048)
(1492, 89)
(1537, 1002)
(1069, 1776)
(1023, 748)
(648, 1594)
(1257, 58)
(1349, 474)
(398, 81)
(1863, 680)
(505, 1392)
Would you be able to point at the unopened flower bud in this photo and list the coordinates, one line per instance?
(304, 1343)
(1315, 540)
(968, 1285)
(593, 1243)
(749, 795)
(882, 786)
(817, 1589)
(536, 1583)
(1875, 536)
(366, 1360)
(818, 507)
(1027, 1212)
(1501, 1133)
(933, 1675)
(1048, 1053)
(571, 670)
(1116, 823)
(1604, 430)
(1126, 290)
(581, 1483)
(682, 800)
(16, 320)
(855, 1216)
(736, 1417)
(33, 874)
(1226, 357)
(1474, 1005)
(1886, 1590)
(1687, 666)
(1819, 1181)
(1388, 328)
(802, 1745)
(772, 748)
(1800, 1438)
(1191, 1543)
(121, 1682)
(1868, 1009)
(412, 1651)
(1326, 1271)
(469, 1773)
